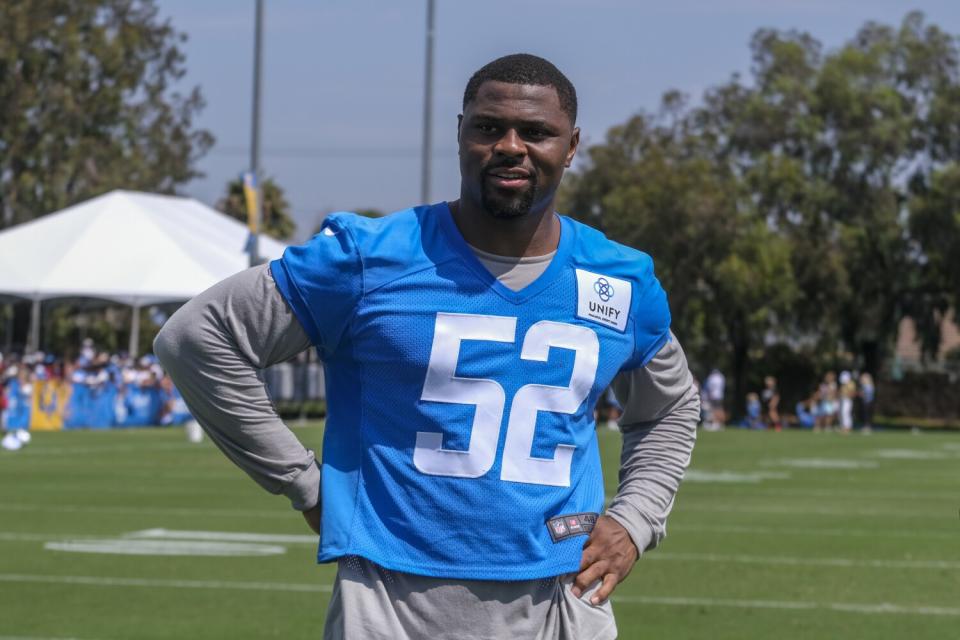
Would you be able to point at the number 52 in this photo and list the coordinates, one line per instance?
(443, 385)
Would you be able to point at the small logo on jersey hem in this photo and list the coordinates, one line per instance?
(571, 524)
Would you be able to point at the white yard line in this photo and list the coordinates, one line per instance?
(694, 504)
(33, 638)
(148, 511)
(813, 533)
(847, 607)
(99, 581)
(39, 451)
(164, 534)
(805, 561)
(945, 496)
(223, 536)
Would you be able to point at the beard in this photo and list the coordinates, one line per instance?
(507, 207)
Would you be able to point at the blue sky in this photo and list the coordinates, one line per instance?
(343, 79)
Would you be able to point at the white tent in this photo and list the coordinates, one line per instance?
(129, 247)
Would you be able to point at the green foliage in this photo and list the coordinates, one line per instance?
(87, 104)
(277, 220)
(818, 204)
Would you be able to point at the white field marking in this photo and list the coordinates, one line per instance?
(859, 495)
(821, 463)
(147, 511)
(845, 607)
(38, 451)
(953, 446)
(695, 475)
(9, 536)
(125, 547)
(33, 638)
(807, 561)
(222, 536)
(786, 509)
(911, 454)
(98, 581)
(813, 533)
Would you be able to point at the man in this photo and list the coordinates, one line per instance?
(465, 346)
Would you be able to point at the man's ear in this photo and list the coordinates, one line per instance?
(574, 143)
(459, 125)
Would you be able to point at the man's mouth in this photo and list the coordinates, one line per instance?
(509, 178)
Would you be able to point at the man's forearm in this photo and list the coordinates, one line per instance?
(661, 412)
(652, 464)
(213, 348)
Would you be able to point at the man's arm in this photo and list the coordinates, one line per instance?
(214, 348)
(661, 412)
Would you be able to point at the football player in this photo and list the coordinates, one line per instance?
(465, 344)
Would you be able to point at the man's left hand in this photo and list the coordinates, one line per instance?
(608, 556)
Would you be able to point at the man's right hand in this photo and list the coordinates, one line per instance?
(312, 516)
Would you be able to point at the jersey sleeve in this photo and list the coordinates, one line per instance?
(322, 281)
(651, 317)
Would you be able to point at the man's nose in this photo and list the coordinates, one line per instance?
(510, 144)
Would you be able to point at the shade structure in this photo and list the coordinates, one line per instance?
(131, 247)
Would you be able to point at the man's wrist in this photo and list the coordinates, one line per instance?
(304, 490)
(640, 532)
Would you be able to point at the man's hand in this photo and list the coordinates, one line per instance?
(608, 555)
(312, 516)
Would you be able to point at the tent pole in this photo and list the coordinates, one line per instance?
(34, 342)
(134, 330)
(8, 333)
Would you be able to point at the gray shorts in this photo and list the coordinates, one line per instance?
(371, 602)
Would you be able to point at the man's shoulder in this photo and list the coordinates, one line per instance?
(389, 246)
(594, 251)
(363, 227)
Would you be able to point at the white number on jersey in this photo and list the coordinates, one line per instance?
(442, 385)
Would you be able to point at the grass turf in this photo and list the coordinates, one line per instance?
(786, 535)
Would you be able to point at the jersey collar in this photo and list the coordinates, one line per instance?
(459, 245)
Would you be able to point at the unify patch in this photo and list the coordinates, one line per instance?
(603, 299)
(573, 524)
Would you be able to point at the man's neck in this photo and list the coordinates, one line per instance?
(534, 234)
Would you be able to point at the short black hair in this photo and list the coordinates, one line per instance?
(525, 68)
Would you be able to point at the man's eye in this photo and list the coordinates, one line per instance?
(486, 128)
(536, 134)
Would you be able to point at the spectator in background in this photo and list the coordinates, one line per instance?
(754, 418)
(715, 385)
(847, 392)
(18, 391)
(827, 407)
(770, 399)
(868, 394)
(806, 412)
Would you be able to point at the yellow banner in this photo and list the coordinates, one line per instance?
(250, 195)
(50, 399)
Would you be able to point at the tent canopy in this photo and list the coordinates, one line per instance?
(130, 247)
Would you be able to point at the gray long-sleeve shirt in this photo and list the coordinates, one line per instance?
(215, 348)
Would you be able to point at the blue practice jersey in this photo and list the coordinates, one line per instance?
(460, 438)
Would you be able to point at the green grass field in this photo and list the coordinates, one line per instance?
(789, 535)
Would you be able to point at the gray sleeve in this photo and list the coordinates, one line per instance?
(214, 348)
(661, 411)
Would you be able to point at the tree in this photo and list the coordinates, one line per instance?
(817, 203)
(87, 104)
(658, 185)
(277, 221)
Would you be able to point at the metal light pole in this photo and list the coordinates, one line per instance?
(255, 136)
(426, 158)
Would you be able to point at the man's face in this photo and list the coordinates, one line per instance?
(515, 142)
